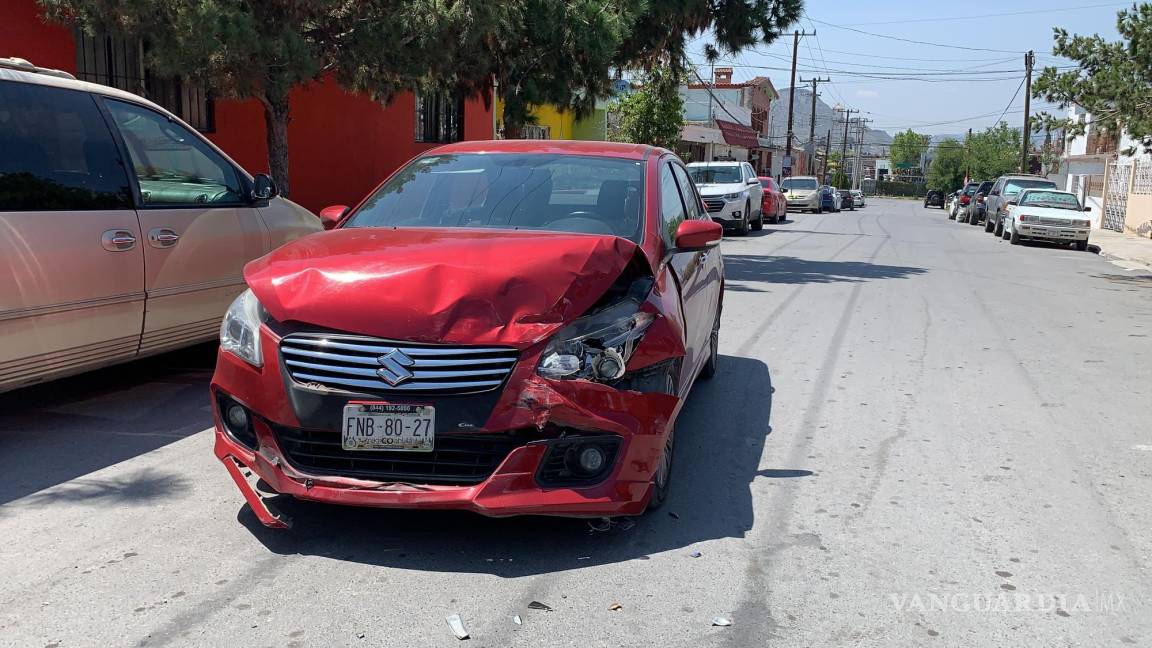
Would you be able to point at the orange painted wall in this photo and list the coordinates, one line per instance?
(340, 144)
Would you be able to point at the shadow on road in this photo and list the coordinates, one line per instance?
(717, 458)
(58, 431)
(792, 270)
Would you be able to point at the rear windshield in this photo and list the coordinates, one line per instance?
(1013, 187)
(715, 175)
(1056, 199)
(766, 183)
(799, 183)
(971, 189)
(561, 193)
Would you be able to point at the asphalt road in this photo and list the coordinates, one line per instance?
(919, 435)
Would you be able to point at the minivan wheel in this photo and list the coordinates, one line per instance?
(998, 228)
(989, 225)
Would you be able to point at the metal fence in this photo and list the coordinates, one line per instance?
(1117, 183)
(1142, 178)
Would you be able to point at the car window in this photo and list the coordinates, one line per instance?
(726, 174)
(799, 184)
(173, 166)
(769, 184)
(1056, 199)
(688, 193)
(1014, 187)
(56, 152)
(528, 191)
(671, 206)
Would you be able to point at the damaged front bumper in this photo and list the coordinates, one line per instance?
(532, 423)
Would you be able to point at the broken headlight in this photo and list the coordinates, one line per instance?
(240, 330)
(596, 346)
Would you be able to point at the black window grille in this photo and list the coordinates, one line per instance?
(439, 117)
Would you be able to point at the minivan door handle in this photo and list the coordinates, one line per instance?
(118, 240)
(162, 237)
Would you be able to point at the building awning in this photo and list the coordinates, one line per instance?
(701, 134)
(764, 142)
(738, 134)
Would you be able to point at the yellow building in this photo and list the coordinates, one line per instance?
(556, 124)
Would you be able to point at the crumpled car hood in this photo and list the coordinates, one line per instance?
(439, 285)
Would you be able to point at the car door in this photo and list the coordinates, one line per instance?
(71, 263)
(198, 224)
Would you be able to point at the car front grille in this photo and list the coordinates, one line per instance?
(714, 204)
(1054, 220)
(457, 460)
(372, 365)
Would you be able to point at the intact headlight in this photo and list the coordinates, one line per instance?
(597, 346)
(240, 330)
(732, 197)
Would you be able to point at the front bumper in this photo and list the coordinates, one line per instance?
(533, 411)
(1051, 233)
(730, 215)
(811, 202)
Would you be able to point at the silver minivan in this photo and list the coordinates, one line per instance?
(123, 231)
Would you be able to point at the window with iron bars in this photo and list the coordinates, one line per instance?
(119, 63)
(439, 117)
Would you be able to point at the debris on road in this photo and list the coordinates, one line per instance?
(537, 605)
(723, 622)
(517, 620)
(695, 554)
(457, 626)
(615, 607)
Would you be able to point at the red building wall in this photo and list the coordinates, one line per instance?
(340, 144)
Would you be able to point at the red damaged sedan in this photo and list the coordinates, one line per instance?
(504, 327)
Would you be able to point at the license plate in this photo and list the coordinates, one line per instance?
(388, 426)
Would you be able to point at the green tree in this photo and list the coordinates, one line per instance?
(907, 149)
(1112, 80)
(946, 172)
(994, 152)
(264, 48)
(653, 114)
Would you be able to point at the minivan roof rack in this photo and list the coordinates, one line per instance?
(14, 63)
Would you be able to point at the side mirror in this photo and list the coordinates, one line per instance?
(696, 235)
(330, 216)
(1011, 202)
(1087, 209)
(263, 187)
(752, 181)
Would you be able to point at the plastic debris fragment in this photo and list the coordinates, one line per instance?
(457, 626)
(721, 621)
(537, 605)
(517, 620)
(615, 607)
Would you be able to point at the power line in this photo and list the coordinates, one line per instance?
(997, 15)
(909, 40)
(1014, 95)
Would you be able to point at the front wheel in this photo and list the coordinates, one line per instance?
(662, 480)
(989, 225)
(758, 224)
(1082, 246)
(998, 228)
(1015, 238)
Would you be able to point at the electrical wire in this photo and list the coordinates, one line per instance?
(909, 40)
(996, 15)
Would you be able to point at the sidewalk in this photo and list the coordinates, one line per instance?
(1127, 250)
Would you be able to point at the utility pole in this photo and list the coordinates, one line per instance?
(863, 128)
(827, 152)
(792, 92)
(844, 145)
(968, 157)
(811, 148)
(1029, 60)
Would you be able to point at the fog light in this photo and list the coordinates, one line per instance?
(737, 214)
(591, 459)
(237, 417)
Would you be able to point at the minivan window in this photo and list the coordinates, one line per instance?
(530, 191)
(173, 166)
(56, 152)
(799, 184)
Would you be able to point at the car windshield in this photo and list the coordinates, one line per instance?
(563, 193)
(1055, 199)
(799, 184)
(726, 174)
(1013, 187)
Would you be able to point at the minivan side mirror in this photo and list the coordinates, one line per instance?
(697, 235)
(263, 187)
(330, 216)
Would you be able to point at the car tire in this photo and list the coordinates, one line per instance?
(743, 228)
(1004, 235)
(757, 224)
(662, 480)
(952, 215)
(1082, 246)
(709, 368)
(989, 225)
(973, 219)
(1014, 239)
(998, 227)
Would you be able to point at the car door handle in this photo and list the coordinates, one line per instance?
(162, 237)
(118, 240)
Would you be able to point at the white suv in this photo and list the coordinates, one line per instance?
(731, 192)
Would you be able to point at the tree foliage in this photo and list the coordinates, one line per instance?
(1113, 80)
(994, 152)
(947, 170)
(907, 148)
(653, 114)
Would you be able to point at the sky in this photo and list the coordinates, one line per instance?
(920, 88)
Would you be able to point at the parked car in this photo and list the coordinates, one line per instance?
(974, 212)
(846, 200)
(393, 362)
(1047, 215)
(732, 194)
(962, 200)
(858, 198)
(828, 200)
(123, 232)
(774, 205)
(949, 200)
(934, 199)
(1004, 191)
(803, 193)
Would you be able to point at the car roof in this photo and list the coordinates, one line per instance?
(1024, 176)
(554, 147)
(23, 72)
(1047, 190)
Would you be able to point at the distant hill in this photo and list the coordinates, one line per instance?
(826, 118)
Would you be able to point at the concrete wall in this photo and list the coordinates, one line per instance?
(1138, 217)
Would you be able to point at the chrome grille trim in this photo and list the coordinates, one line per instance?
(351, 363)
(714, 204)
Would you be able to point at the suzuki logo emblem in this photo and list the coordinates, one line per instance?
(394, 367)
